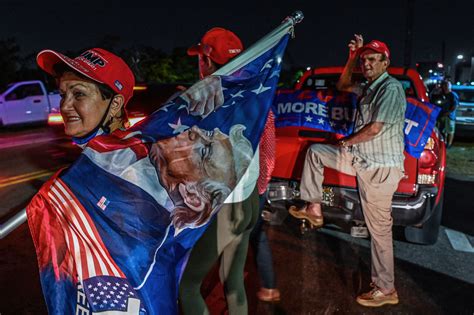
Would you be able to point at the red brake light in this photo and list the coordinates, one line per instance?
(428, 159)
(428, 163)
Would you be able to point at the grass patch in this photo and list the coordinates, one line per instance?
(460, 159)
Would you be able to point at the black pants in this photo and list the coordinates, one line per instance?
(226, 237)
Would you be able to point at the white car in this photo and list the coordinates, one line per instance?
(465, 110)
(26, 102)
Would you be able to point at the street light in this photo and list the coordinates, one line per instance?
(460, 57)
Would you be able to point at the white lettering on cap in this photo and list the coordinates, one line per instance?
(92, 59)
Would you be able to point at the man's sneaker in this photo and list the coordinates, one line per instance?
(376, 298)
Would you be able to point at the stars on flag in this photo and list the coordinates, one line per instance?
(267, 65)
(238, 94)
(261, 89)
(275, 73)
(184, 106)
(110, 300)
(166, 106)
(178, 127)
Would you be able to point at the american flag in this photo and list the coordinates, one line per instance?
(90, 256)
(106, 293)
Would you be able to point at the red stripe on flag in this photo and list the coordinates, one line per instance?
(94, 235)
(107, 144)
(56, 203)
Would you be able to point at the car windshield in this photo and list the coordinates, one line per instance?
(4, 88)
(466, 95)
(328, 82)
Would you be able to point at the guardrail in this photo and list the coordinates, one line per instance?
(17, 220)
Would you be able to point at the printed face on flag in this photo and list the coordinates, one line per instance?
(199, 168)
(194, 154)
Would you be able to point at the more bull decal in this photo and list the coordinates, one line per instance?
(336, 113)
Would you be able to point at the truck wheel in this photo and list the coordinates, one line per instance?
(428, 233)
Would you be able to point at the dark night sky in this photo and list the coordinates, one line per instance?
(321, 39)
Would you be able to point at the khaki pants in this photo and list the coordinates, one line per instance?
(376, 189)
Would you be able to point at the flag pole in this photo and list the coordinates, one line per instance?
(265, 43)
(17, 220)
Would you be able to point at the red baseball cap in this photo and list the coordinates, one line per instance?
(376, 46)
(219, 44)
(97, 64)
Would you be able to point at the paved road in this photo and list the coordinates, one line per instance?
(28, 158)
(319, 273)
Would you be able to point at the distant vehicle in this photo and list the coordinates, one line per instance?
(146, 99)
(26, 102)
(418, 202)
(465, 110)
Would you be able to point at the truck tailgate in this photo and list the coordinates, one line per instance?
(292, 144)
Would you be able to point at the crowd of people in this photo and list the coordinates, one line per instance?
(94, 103)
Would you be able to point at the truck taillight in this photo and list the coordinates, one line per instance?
(427, 164)
(428, 159)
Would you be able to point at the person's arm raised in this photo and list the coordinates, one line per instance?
(345, 80)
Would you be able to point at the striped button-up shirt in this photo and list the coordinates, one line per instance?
(382, 101)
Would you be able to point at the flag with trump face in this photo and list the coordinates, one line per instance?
(112, 231)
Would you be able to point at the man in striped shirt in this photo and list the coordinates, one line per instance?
(373, 153)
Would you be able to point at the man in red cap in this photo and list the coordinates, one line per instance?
(228, 235)
(216, 48)
(373, 153)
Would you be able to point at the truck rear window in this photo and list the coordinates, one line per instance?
(328, 82)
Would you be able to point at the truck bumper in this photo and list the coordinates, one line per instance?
(344, 203)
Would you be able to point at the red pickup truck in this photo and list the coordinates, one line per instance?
(418, 202)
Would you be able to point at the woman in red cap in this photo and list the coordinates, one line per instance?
(94, 87)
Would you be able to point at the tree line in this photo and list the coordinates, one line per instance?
(149, 64)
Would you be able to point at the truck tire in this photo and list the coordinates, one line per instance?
(428, 233)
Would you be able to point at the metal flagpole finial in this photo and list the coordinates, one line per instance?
(297, 17)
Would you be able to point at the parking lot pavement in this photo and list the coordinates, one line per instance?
(323, 272)
(460, 160)
(20, 137)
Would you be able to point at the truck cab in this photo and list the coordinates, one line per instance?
(417, 204)
(26, 102)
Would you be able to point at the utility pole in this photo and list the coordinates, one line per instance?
(443, 52)
(410, 10)
(471, 76)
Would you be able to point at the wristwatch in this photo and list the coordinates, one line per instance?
(343, 143)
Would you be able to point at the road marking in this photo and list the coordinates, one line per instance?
(27, 177)
(459, 241)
